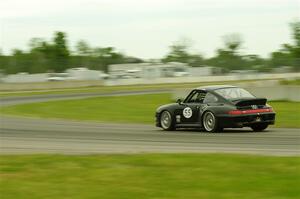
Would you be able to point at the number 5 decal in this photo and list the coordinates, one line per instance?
(187, 112)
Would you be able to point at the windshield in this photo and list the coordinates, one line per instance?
(234, 93)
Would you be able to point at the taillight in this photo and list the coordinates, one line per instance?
(235, 112)
(241, 112)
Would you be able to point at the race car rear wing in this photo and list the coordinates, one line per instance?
(249, 102)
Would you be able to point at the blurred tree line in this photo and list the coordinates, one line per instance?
(230, 58)
(56, 56)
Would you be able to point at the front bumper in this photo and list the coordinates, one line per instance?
(157, 120)
(246, 120)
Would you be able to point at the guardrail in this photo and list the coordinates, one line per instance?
(188, 79)
(139, 81)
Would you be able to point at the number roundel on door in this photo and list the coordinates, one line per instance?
(187, 112)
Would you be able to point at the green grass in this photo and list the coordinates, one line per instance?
(135, 109)
(287, 114)
(290, 82)
(130, 109)
(149, 176)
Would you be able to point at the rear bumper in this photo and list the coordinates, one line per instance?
(246, 120)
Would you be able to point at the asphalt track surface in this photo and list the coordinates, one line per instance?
(27, 135)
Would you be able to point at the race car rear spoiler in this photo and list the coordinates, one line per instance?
(249, 102)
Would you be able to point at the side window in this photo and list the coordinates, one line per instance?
(210, 98)
(197, 97)
(193, 98)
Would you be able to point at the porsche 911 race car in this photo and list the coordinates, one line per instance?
(216, 107)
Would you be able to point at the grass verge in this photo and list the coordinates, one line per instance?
(149, 176)
(290, 82)
(134, 109)
(130, 109)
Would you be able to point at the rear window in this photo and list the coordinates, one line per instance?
(234, 93)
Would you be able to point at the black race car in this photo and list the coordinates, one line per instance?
(216, 107)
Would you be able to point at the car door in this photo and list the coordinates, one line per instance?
(190, 107)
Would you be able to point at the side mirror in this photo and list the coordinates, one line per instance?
(179, 101)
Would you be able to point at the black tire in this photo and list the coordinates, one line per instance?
(259, 127)
(210, 122)
(167, 121)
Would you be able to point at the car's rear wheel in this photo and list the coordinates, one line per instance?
(259, 127)
(166, 121)
(210, 122)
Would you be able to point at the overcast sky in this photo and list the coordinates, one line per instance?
(145, 28)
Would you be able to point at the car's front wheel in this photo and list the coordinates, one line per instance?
(210, 122)
(259, 127)
(166, 121)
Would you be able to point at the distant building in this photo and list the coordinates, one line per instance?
(283, 69)
(70, 74)
(57, 76)
(204, 71)
(85, 74)
(148, 70)
(25, 78)
(242, 72)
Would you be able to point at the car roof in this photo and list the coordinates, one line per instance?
(214, 87)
